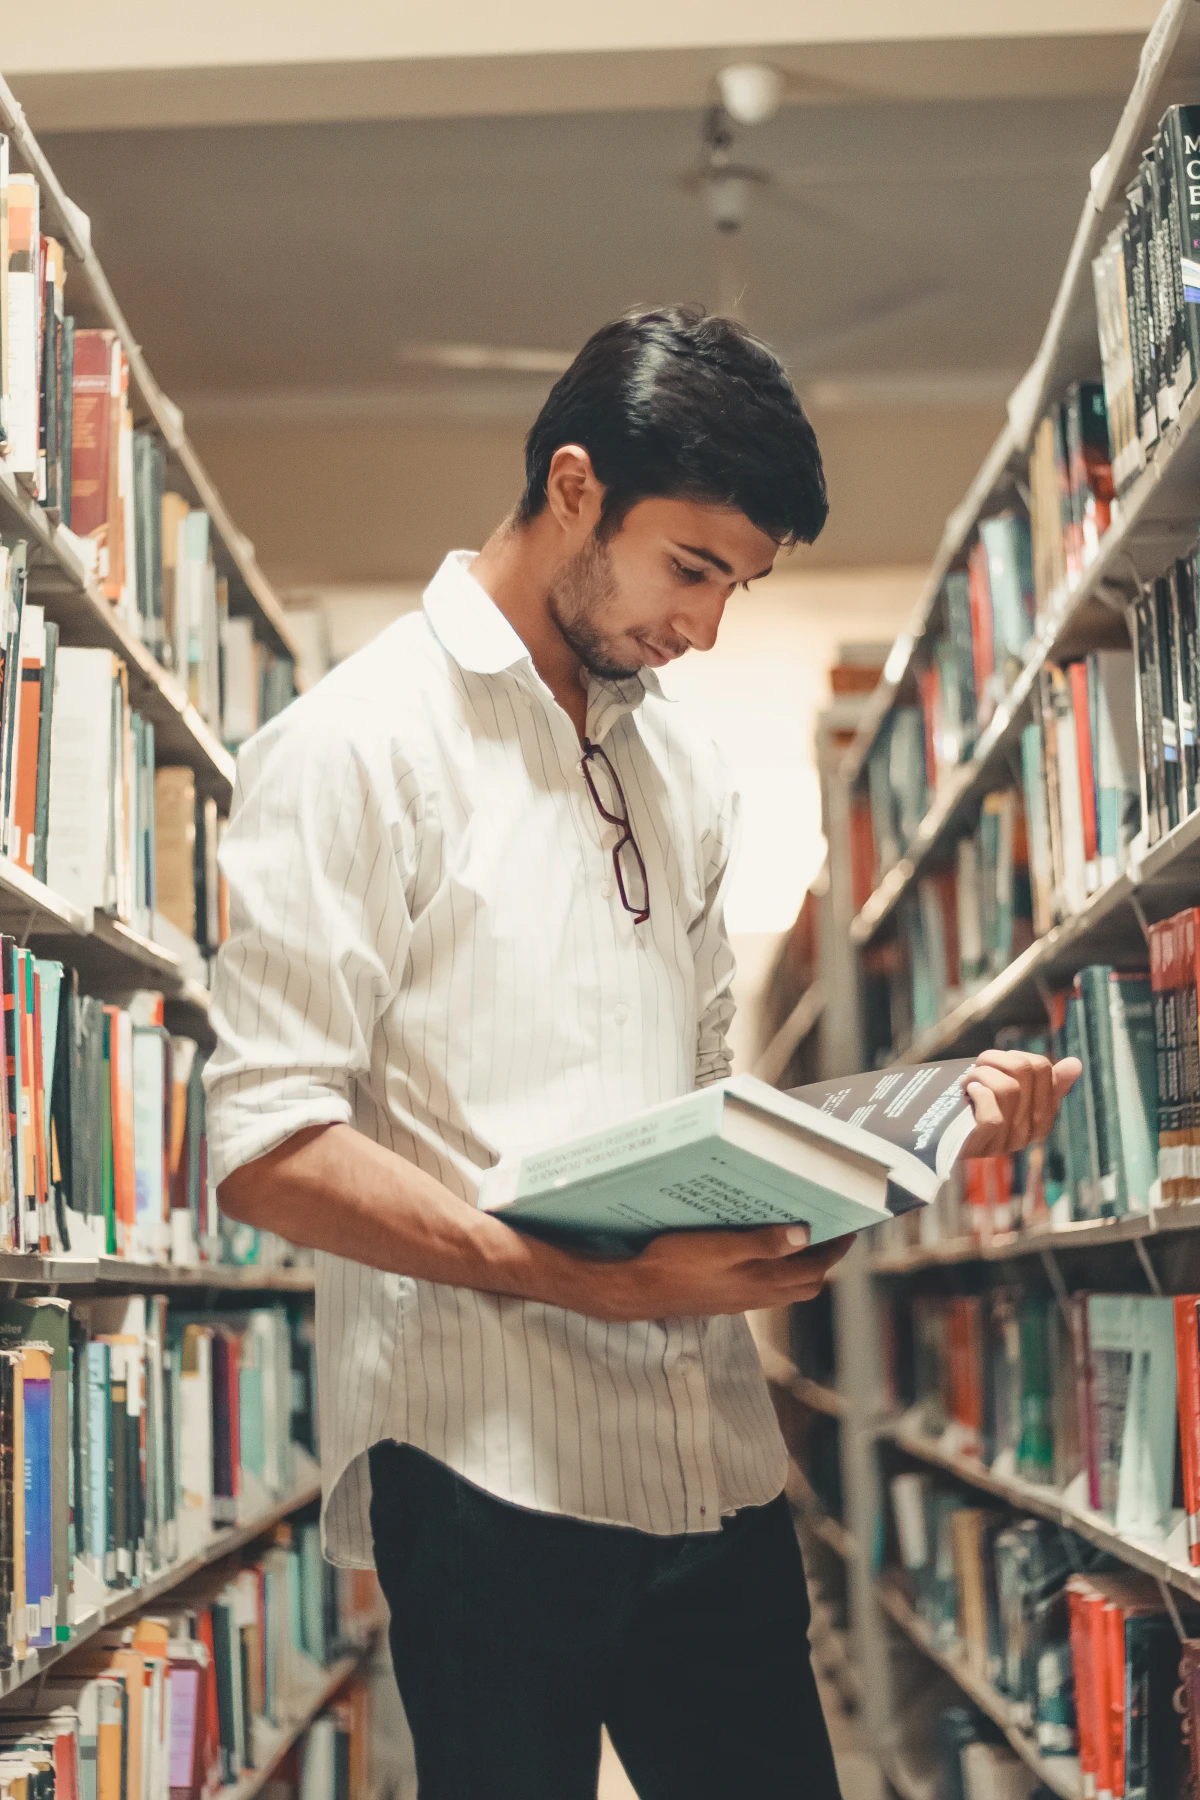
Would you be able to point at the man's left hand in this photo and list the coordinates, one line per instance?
(1015, 1096)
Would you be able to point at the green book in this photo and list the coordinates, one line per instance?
(837, 1156)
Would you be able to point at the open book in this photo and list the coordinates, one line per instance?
(836, 1156)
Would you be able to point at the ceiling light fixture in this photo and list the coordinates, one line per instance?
(750, 92)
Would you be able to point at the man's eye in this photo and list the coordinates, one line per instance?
(691, 576)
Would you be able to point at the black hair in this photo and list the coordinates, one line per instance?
(670, 402)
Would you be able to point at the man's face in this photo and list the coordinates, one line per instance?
(658, 586)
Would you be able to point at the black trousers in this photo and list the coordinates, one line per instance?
(515, 1635)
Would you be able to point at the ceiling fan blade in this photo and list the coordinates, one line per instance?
(863, 323)
(504, 359)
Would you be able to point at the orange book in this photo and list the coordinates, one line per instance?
(983, 642)
(1079, 1598)
(21, 830)
(1077, 675)
(110, 1738)
(129, 1665)
(1187, 1363)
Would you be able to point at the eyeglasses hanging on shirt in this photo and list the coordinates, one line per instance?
(609, 796)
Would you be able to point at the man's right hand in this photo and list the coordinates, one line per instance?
(697, 1274)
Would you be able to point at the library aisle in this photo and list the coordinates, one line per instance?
(282, 293)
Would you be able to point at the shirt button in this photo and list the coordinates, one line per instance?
(606, 889)
(620, 1013)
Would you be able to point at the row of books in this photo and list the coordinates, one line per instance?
(67, 434)
(183, 1703)
(964, 923)
(102, 1132)
(83, 805)
(332, 1759)
(1070, 491)
(974, 1764)
(1147, 286)
(1098, 1398)
(1081, 781)
(1127, 1137)
(1164, 624)
(1086, 1653)
(129, 1432)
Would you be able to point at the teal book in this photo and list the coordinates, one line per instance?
(1135, 1063)
(837, 1156)
(98, 1427)
(1132, 1343)
(1006, 541)
(1082, 1167)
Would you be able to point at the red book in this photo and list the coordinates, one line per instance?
(983, 643)
(1077, 675)
(93, 404)
(1079, 1598)
(1114, 1637)
(1187, 1364)
(1187, 989)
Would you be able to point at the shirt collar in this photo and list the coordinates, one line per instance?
(471, 628)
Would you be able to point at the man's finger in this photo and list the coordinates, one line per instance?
(1066, 1073)
(1042, 1116)
(985, 1103)
(770, 1242)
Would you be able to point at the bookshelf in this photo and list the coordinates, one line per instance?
(1151, 1252)
(113, 959)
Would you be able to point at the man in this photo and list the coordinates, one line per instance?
(476, 884)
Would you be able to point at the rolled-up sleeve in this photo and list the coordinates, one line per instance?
(715, 963)
(316, 858)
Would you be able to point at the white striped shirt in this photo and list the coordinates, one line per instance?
(427, 943)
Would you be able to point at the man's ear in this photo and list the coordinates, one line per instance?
(574, 495)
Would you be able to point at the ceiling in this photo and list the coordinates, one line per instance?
(903, 259)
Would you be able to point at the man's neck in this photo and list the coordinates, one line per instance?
(516, 571)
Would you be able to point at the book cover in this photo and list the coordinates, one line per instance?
(837, 1156)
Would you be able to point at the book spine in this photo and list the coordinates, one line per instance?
(1187, 1362)
(1165, 658)
(42, 801)
(1182, 131)
(1187, 641)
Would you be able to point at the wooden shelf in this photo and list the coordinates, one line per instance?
(1061, 1774)
(149, 1277)
(1047, 1503)
(781, 1372)
(128, 1600)
(1079, 1234)
(97, 304)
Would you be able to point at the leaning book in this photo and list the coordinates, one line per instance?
(837, 1156)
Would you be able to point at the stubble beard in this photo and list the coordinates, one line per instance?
(584, 591)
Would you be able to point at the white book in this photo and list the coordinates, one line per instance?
(836, 1156)
(1070, 800)
(24, 228)
(1118, 796)
(80, 776)
(240, 718)
(318, 1762)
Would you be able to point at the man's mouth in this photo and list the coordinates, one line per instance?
(656, 656)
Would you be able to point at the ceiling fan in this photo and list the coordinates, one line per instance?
(748, 94)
